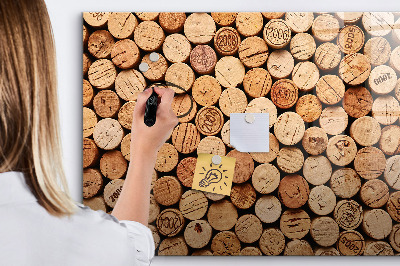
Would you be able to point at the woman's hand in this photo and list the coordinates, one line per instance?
(148, 140)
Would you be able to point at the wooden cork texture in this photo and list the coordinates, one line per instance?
(102, 74)
(185, 138)
(290, 159)
(243, 196)
(89, 122)
(248, 228)
(265, 178)
(87, 94)
(206, 90)
(203, 59)
(345, 182)
(90, 152)
(125, 54)
(224, 18)
(225, 243)
(333, 120)
(330, 89)
(382, 79)
(263, 105)
(212, 145)
(315, 140)
(348, 214)
(357, 101)
(377, 224)
(325, 27)
(176, 48)
(394, 237)
(378, 248)
(392, 172)
(232, 100)
(386, 109)
(268, 208)
(298, 248)
(272, 242)
(185, 171)
(393, 206)
(317, 170)
(377, 50)
(106, 103)
(350, 243)
(289, 128)
(267, 157)
(327, 56)
(167, 158)
(305, 75)
(227, 41)
(324, 231)
(113, 164)
(374, 193)
(122, 24)
(295, 223)
(253, 51)
(299, 21)
(193, 204)
(302, 46)
(92, 182)
(249, 23)
(280, 64)
(244, 166)
(172, 22)
(174, 246)
(198, 233)
(366, 131)
(222, 215)
(284, 93)
(199, 28)
(108, 134)
(351, 39)
(170, 222)
(229, 71)
(370, 162)
(277, 33)
(309, 108)
(354, 69)
(209, 120)
(341, 150)
(293, 191)
(389, 142)
(321, 200)
(157, 70)
(112, 191)
(100, 44)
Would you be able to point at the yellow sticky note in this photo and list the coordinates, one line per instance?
(214, 178)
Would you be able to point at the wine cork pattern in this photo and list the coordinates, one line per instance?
(330, 84)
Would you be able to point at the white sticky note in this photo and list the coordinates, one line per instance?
(249, 132)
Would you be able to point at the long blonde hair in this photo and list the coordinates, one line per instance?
(29, 125)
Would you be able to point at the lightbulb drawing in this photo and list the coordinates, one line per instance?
(213, 175)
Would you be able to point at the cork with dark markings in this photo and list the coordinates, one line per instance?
(96, 19)
(106, 103)
(327, 56)
(394, 237)
(272, 242)
(212, 145)
(173, 246)
(330, 89)
(253, 52)
(324, 231)
(322, 200)
(305, 75)
(203, 59)
(357, 101)
(354, 69)
(348, 214)
(113, 164)
(112, 191)
(280, 64)
(90, 152)
(248, 228)
(100, 44)
(374, 193)
(377, 224)
(185, 137)
(225, 243)
(149, 36)
(172, 22)
(295, 223)
(209, 120)
(293, 191)
(129, 83)
(167, 190)
(170, 222)
(277, 33)
(206, 90)
(243, 195)
(298, 248)
(193, 204)
(122, 24)
(87, 93)
(244, 166)
(167, 158)
(257, 82)
(232, 100)
(290, 159)
(102, 74)
(345, 182)
(222, 215)
(325, 27)
(199, 28)
(157, 70)
(302, 46)
(227, 41)
(185, 170)
(289, 128)
(183, 105)
(265, 178)
(315, 140)
(377, 49)
(392, 172)
(176, 48)
(317, 170)
(125, 54)
(341, 150)
(224, 18)
(229, 71)
(299, 21)
(389, 142)
(92, 182)
(386, 109)
(181, 75)
(350, 39)
(249, 23)
(198, 233)
(378, 248)
(284, 93)
(89, 122)
(350, 243)
(365, 130)
(309, 108)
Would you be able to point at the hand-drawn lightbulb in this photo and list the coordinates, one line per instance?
(212, 176)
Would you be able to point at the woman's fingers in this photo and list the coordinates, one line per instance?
(167, 95)
(140, 105)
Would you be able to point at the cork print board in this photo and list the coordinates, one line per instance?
(329, 184)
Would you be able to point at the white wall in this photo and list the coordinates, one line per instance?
(67, 25)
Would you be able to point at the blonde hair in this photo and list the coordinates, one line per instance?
(29, 126)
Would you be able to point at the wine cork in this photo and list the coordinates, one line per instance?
(183, 105)
(330, 89)
(267, 157)
(172, 22)
(272, 242)
(263, 105)
(227, 41)
(125, 114)
(395, 59)
(129, 83)
(156, 70)
(229, 71)
(280, 64)
(102, 74)
(243, 196)
(324, 231)
(315, 140)
(206, 90)
(326, 251)
(225, 134)
(317, 170)
(366, 131)
(90, 152)
(348, 214)
(198, 233)
(244, 166)
(309, 108)
(180, 74)
(397, 90)
(167, 190)
(185, 138)
(108, 134)
(394, 237)
(374, 193)
(293, 191)
(345, 182)
(96, 19)
(146, 16)
(393, 206)
(350, 243)
(350, 39)
(211, 145)
(284, 93)
(125, 54)
(305, 75)
(170, 222)
(126, 147)
(322, 200)
(149, 36)
(376, 248)
(378, 50)
(341, 150)
(209, 120)
(100, 44)
(325, 27)
(113, 164)
(185, 171)
(226, 244)
(268, 208)
(214, 196)
(176, 48)
(203, 59)
(392, 172)
(389, 142)
(253, 52)
(299, 21)
(112, 191)
(377, 223)
(265, 178)
(122, 24)
(382, 79)
(89, 122)
(106, 103)
(290, 159)
(249, 23)
(87, 93)
(167, 158)
(378, 23)
(156, 235)
(154, 209)
(193, 205)
(298, 248)
(272, 15)
(277, 33)
(302, 46)
(327, 56)
(349, 17)
(95, 203)
(386, 109)
(224, 18)
(357, 101)
(289, 128)
(222, 215)
(232, 100)
(202, 252)
(86, 63)
(199, 28)
(174, 246)
(92, 182)
(250, 251)
(354, 69)
(333, 120)
(248, 228)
